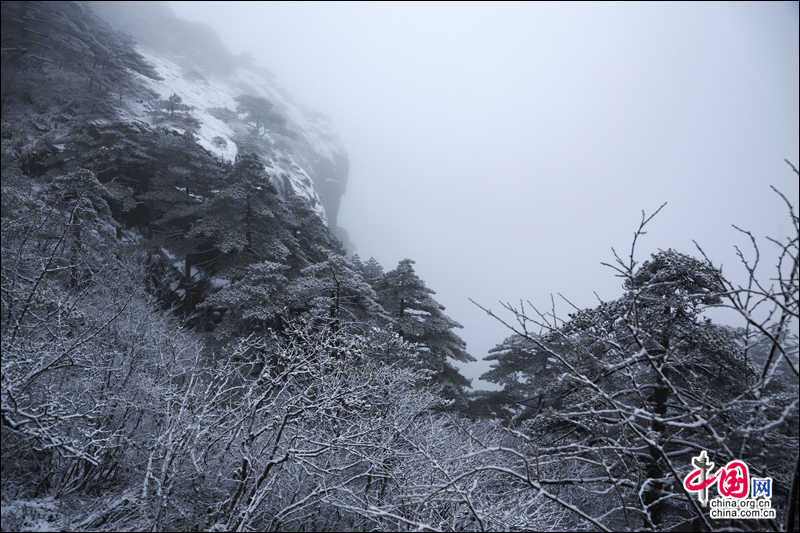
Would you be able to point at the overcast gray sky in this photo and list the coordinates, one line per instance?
(506, 147)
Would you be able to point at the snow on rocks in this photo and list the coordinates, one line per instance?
(291, 167)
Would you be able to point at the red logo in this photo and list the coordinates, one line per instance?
(733, 480)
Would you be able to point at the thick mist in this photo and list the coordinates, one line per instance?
(506, 148)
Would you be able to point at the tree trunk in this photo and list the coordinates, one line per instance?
(655, 469)
(187, 284)
(75, 274)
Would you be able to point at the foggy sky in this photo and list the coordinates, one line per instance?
(507, 147)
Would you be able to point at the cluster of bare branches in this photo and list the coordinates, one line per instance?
(646, 383)
(319, 426)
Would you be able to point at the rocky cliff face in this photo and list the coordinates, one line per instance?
(305, 157)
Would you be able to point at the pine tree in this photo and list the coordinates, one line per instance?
(246, 220)
(259, 113)
(371, 270)
(184, 175)
(252, 303)
(85, 212)
(521, 368)
(314, 239)
(419, 318)
(333, 287)
(638, 373)
(172, 104)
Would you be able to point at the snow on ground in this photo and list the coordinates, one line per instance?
(289, 169)
(40, 514)
(202, 94)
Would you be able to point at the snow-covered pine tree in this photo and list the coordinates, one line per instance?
(314, 239)
(259, 114)
(419, 318)
(371, 270)
(523, 369)
(183, 176)
(252, 303)
(246, 220)
(644, 382)
(334, 288)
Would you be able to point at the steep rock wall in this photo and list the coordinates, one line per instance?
(195, 65)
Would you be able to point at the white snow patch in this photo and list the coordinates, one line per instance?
(219, 283)
(202, 96)
(314, 129)
(40, 514)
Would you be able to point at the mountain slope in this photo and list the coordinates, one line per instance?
(197, 66)
(171, 58)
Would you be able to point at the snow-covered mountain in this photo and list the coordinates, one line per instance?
(309, 161)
